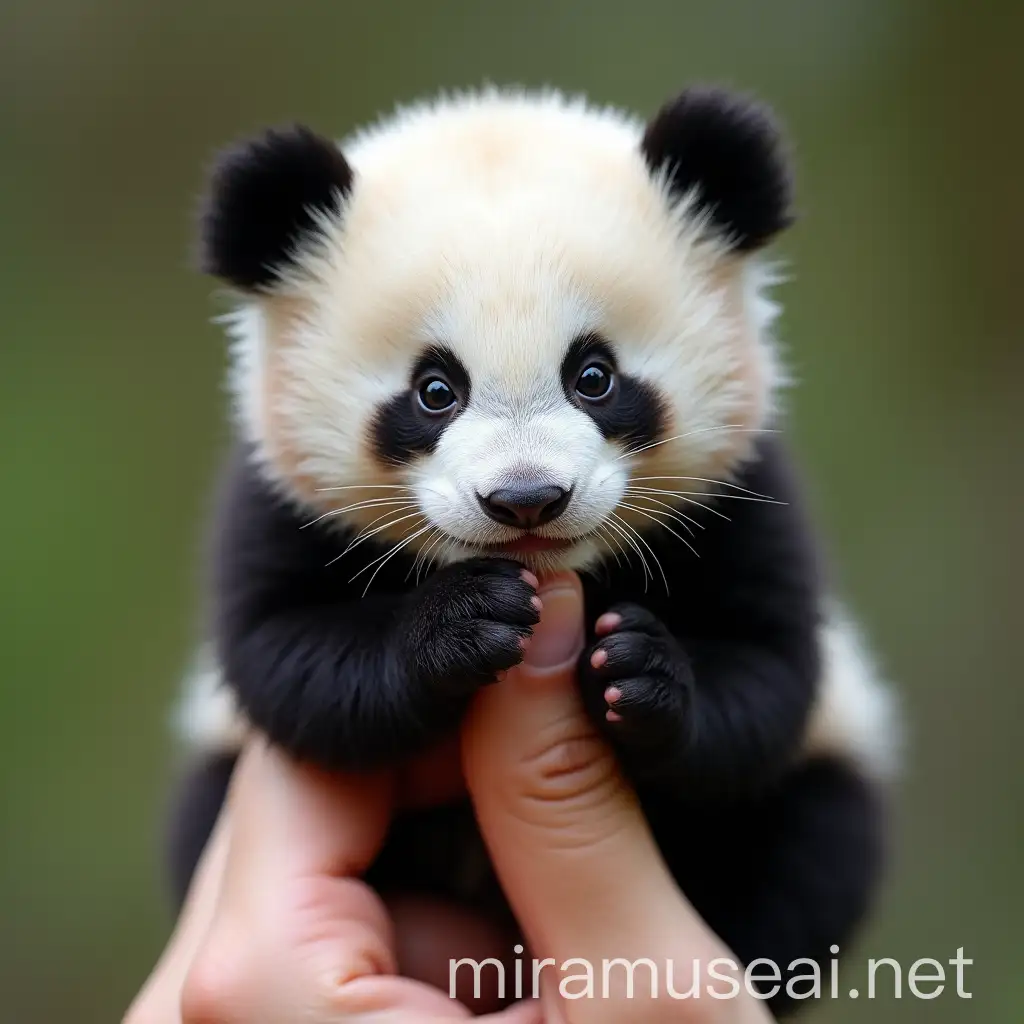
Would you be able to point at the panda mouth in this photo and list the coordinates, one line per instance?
(531, 544)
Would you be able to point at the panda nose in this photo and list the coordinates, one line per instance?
(526, 506)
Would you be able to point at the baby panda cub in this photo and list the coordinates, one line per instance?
(499, 335)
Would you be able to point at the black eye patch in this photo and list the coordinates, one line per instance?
(624, 408)
(412, 422)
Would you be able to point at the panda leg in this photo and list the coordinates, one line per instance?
(784, 876)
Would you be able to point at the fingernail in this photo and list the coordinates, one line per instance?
(559, 634)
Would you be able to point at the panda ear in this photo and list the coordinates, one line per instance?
(262, 201)
(728, 150)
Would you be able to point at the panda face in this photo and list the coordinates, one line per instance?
(526, 464)
(502, 322)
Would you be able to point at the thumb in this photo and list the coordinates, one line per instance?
(562, 826)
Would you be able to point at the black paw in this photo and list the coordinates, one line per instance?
(637, 686)
(468, 623)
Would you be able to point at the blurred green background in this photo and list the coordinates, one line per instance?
(903, 324)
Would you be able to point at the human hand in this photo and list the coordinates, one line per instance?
(278, 929)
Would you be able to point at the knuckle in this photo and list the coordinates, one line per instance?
(573, 768)
(563, 765)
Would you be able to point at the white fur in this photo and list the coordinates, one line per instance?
(855, 714)
(208, 718)
(502, 225)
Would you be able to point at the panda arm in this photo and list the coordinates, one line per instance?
(719, 678)
(755, 654)
(337, 678)
(318, 673)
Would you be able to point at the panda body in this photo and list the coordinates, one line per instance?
(508, 330)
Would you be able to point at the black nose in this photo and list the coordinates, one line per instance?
(527, 506)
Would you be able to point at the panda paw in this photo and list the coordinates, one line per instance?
(637, 686)
(469, 622)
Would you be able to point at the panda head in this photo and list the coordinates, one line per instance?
(503, 322)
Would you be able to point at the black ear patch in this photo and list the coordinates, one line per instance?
(262, 200)
(729, 149)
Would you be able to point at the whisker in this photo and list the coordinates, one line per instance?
(689, 501)
(738, 497)
(363, 535)
(682, 518)
(640, 538)
(632, 543)
(391, 511)
(706, 480)
(445, 544)
(664, 526)
(369, 503)
(653, 555)
(707, 508)
(631, 530)
(420, 562)
(436, 549)
(613, 545)
(352, 487)
(700, 430)
(366, 533)
(611, 539)
(415, 567)
(396, 546)
(734, 497)
(391, 554)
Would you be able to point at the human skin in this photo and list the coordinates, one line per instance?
(279, 928)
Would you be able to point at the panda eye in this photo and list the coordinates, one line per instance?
(436, 395)
(594, 382)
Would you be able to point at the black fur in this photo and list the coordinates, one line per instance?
(729, 658)
(262, 204)
(633, 412)
(402, 428)
(782, 874)
(728, 149)
(337, 678)
(718, 678)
